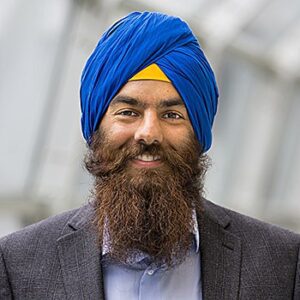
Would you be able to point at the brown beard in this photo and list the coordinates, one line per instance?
(148, 210)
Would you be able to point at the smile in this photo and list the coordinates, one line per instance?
(147, 161)
(146, 157)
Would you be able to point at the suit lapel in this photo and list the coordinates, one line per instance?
(79, 257)
(220, 255)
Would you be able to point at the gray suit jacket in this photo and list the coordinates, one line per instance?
(241, 258)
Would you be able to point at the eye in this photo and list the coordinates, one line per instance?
(128, 113)
(172, 115)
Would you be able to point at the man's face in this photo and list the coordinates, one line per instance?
(148, 112)
(148, 172)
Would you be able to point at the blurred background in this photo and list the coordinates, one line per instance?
(254, 48)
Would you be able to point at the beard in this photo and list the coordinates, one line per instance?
(147, 210)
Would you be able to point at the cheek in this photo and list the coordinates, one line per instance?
(177, 137)
(120, 134)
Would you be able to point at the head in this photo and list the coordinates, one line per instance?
(146, 149)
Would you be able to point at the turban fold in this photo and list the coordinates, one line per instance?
(135, 42)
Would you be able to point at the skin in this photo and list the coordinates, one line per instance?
(147, 111)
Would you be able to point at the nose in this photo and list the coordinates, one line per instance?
(149, 130)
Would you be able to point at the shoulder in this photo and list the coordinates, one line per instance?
(46, 231)
(29, 258)
(253, 231)
(269, 255)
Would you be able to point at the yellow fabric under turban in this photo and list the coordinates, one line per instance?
(152, 72)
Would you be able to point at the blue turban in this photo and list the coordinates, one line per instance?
(135, 42)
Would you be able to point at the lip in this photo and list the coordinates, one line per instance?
(146, 164)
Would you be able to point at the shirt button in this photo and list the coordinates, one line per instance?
(150, 272)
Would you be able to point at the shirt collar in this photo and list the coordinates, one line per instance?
(196, 231)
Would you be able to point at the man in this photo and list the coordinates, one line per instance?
(148, 99)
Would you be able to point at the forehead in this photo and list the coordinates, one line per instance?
(149, 91)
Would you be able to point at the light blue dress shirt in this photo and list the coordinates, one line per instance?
(141, 281)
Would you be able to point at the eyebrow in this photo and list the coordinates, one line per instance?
(136, 102)
(171, 102)
(125, 100)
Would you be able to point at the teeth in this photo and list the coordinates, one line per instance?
(146, 157)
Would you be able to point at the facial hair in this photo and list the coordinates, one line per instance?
(147, 210)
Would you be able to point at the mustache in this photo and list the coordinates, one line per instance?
(112, 161)
(135, 149)
(103, 161)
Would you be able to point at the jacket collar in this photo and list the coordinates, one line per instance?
(220, 254)
(80, 257)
